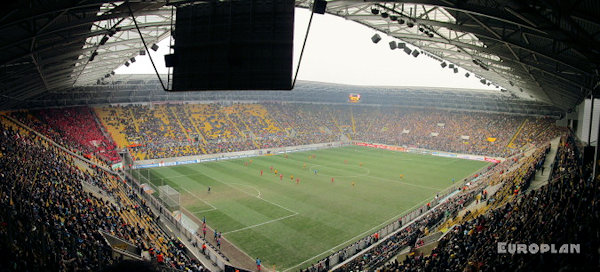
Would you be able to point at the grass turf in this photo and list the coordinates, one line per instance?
(285, 223)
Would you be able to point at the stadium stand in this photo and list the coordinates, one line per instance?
(49, 222)
(74, 127)
(59, 201)
(175, 130)
(171, 130)
(185, 129)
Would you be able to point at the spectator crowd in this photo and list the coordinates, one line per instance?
(154, 131)
(74, 127)
(48, 222)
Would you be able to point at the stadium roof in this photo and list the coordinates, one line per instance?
(546, 51)
(147, 89)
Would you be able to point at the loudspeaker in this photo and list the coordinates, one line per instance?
(376, 38)
(170, 60)
(319, 6)
(233, 45)
(393, 45)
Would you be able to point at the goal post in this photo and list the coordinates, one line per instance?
(169, 197)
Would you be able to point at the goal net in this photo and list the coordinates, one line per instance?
(169, 197)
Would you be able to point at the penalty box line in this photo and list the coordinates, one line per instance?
(197, 197)
(294, 213)
(263, 223)
(229, 185)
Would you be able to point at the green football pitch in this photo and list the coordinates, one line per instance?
(291, 224)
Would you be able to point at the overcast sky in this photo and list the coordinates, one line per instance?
(341, 51)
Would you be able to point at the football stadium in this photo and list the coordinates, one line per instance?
(190, 135)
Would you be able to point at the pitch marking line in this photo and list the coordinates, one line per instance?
(409, 184)
(385, 179)
(294, 213)
(197, 197)
(263, 223)
(257, 196)
(228, 184)
(202, 211)
(332, 250)
(258, 191)
(355, 176)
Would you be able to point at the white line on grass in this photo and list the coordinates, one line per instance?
(263, 223)
(332, 250)
(294, 213)
(228, 184)
(197, 197)
(260, 224)
(355, 176)
(202, 211)
(259, 197)
(258, 191)
(409, 184)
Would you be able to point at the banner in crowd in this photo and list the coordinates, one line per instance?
(491, 140)
(465, 137)
(453, 155)
(491, 160)
(116, 166)
(405, 131)
(434, 134)
(441, 124)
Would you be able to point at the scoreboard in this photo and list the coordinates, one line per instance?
(354, 98)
